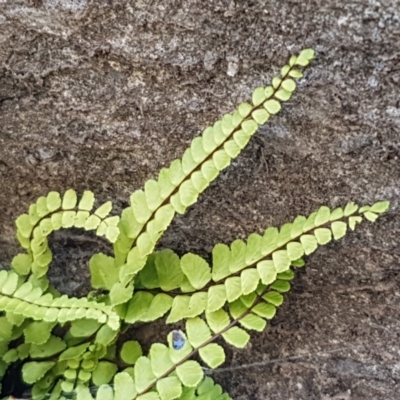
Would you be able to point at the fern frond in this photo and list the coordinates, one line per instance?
(52, 213)
(23, 298)
(76, 365)
(238, 269)
(169, 364)
(172, 365)
(179, 185)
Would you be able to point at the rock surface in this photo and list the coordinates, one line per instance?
(101, 94)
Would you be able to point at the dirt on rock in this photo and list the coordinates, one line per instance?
(101, 95)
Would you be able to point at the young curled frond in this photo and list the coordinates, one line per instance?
(52, 213)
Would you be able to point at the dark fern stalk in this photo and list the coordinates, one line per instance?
(239, 292)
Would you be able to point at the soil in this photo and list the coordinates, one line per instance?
(102, 94)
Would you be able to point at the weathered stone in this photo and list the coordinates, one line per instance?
(101, 94)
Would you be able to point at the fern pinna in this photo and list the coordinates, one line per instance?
(238, 293)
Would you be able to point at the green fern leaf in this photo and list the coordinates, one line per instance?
(249, 299)
(272, 106)
(130, 352)
(73, 352)
(221, 262)
(350, 209)
(336, 214)
(124, 387)
(264, 310)
(53, 201)
(52, 346)
(253, 322)
(5, 329)
(105, 392)
(84, 327)
(217, 297)
(196, 270)
(281, 260)
(169, 388)
(339, 229)
(104, 210)
(168, 270)
(120, 294)
(160, 360)
(283, 95)
(197, 304)
(69, 200)
(41, 207)
(33, 371)
(207, 389)
(259, 96)
(276, 82)
(304, 57)
(273, 298)
(197, 331)
(144, 376)
(353, 221)
(10, 284)
(370, 216)
(102, 270)
(104, 373)
(213, 355)
(289, 85)
(233, 288)
(92, 222)
(267, 271)
(294, 251)
(21, 264)
(380, 207)
(323, 235)
(249, 280)
(237, 309)
(24, 225)
(200, 164)
(38, 332)
(294, 73)
(87, 201)
(261, 116)
(33, 215)
(56, 220)
(159, 306)
(281, 286)
(179, 309)
(309, 243)
(253, 248)
(236, 337)
(138, 306)
(287, 275)
(190, 373)
(322, 216)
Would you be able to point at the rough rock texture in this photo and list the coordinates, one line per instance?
(102, 94)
